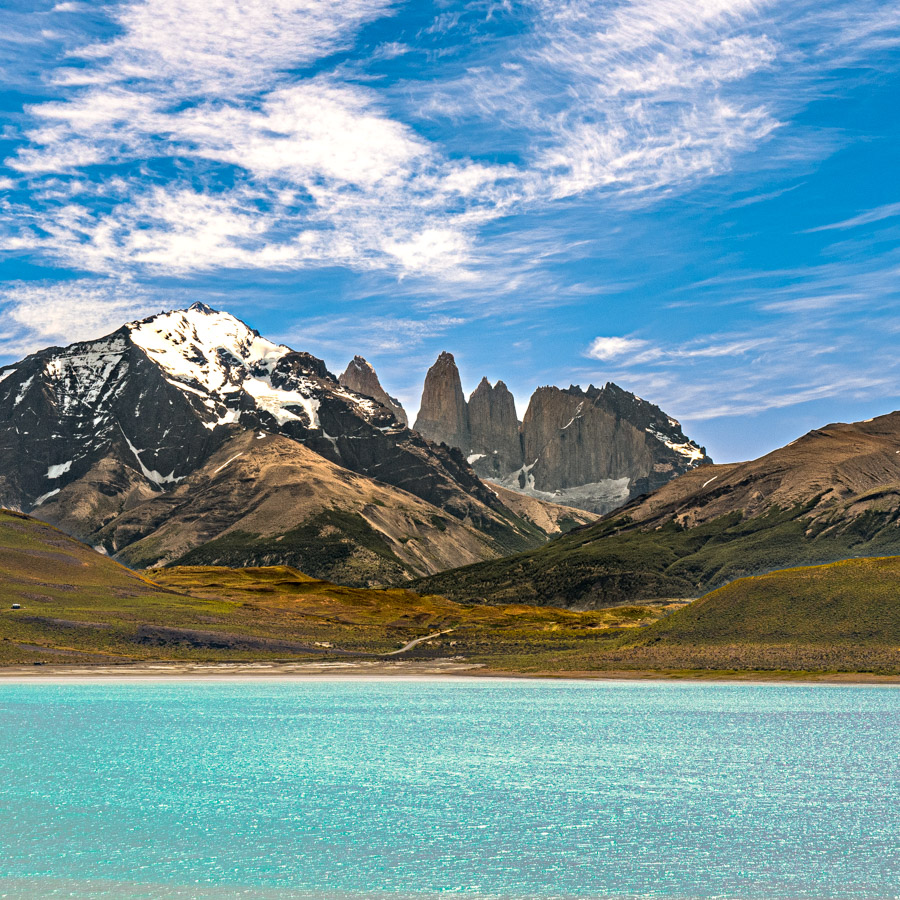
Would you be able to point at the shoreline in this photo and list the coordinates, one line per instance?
(401, 669)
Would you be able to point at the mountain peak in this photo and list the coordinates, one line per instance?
(202, 347)
(202, 307)
(360, 376)
(443, 415)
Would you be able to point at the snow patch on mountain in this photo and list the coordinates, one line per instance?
(214, 356)
(278, 401)
(688, 449)
(44, 497)
(601, 496)
(81, 375)
(205, 348)
(60, 469)
(23, 390)
(151, 474)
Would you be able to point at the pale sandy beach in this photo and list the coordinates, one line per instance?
(437, 668)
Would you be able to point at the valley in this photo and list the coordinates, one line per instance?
(76, 608)
(214, 496)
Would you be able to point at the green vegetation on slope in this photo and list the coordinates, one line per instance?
(612, 563)
(844, 615)
(80, 607)
(338, 544)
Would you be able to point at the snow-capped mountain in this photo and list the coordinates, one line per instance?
(160, 393)
(97, 428)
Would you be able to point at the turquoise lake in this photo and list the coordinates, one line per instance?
(446, 788)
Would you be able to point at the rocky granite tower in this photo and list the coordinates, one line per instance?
(592, 449)
(598, 448)
(443, 414)
(495, 445)
(359, 376)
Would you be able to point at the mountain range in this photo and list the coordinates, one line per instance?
(188, 438)
(832, 494)
(189, 433)
(592, 449)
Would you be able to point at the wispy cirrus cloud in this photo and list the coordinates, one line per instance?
(37, 314)
(323, 172)
(887, 211)
(806, 334)
(269, 136)
(233, 107)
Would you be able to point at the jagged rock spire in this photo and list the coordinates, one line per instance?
(360, 376)
(443, 415)
(494, 429)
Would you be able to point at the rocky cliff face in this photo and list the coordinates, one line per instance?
(443, 414)
(495, 445)
(359, 376)
(592, 449)
(600, 447)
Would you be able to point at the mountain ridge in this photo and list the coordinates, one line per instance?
(93, 431)
(830, 495)
(593, 448)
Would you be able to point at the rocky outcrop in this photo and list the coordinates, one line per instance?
(591, 449)
(601, 446)
(359, 376)
(443, 415)
(495, 444)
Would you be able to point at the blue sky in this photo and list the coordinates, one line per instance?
(697, 199)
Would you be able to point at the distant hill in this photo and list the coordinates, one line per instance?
(843, 616)
(830, 495)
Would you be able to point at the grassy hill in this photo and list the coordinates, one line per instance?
(832, 494)
(612, 563)
(843, 616)
(840, 617)
(78, 606)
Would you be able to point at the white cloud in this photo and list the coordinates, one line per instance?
(324, 175)
(223, 47)
(228, 157)
(606, 348)
(810, 334)
(888, 211)
(36, 315)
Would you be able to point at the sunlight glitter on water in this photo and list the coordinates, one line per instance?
(474, 789)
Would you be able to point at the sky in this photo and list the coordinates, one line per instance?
(696, 199)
